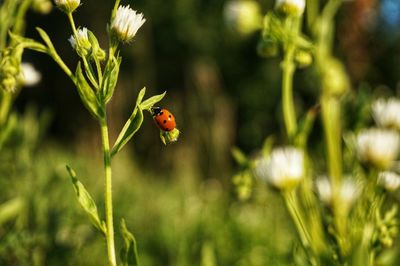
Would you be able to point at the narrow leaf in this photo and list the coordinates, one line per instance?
(86, 201)
(140, 96)
(130, 128)
(147, 104)
(10, 209)
(28, 43)
(239, 156)
(87, 95)
(45, 38)
(110, 79)
(129, 256)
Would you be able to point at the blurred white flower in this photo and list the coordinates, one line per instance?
(81, 42)
(291, 7)
(389, 180)
(347, 194)
(284, 168)
(386, 113)
(30, 75)
(243, 15)
(68, 6)
(378, 147)
(126, 23)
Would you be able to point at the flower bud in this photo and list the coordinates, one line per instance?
(303, 58)
(244, 15)
(126, 23)
(67, 6)
(42, 6)
(335, 81)
(96, 52)
(389, 180)
(291, 7)
(168, 137)
(81, 43)
(378, 147)
(386, 113)
(30, 75)
(284, 168)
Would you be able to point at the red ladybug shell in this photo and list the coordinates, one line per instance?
(164, 119)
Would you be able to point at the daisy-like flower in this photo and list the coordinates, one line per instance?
(347, 195)
(81, 42)
(30, 75)
(284, 168)
(386, 113)
(244, 15)
(389, 180)
(126, 23)
(68, 6)
(291, 7)
(378, 147)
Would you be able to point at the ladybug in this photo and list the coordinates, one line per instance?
(163, 118)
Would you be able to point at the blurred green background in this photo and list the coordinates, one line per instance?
(178, 199)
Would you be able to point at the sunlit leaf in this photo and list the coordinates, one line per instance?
(147, 104)
(87, 95)
(86, 201)
(130, 128)
(111, 77)
(129, 256)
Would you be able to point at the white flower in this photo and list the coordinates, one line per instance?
(68, 6)
(347, 194)
(126, 23)
(283, 169)
(389, 180)
(386, 113)
(291, 7)
(30, 75)
(244, 15)
(378, 147)
(81, 42)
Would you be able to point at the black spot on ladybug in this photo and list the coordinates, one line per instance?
(161, 113)
(169, 116)
(165, 121)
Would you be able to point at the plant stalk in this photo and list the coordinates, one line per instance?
(289, 115)
(108, 193)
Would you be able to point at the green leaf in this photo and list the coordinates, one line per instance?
(45, 38)
(10, 209)
(110, 79)
(87, 95)
(28, 43)
(130, 128)
(129, 256)
(140, 96)
(147, 104)
(86, 201)
(239, 156)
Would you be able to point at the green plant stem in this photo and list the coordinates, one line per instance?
(6, 100)
(108, 193)
(293, 207)
(289, 115)
(114, 11)
(19, 20)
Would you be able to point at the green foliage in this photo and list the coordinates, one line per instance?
(129, 256)
(86, 201)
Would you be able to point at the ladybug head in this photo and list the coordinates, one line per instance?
(156, 110)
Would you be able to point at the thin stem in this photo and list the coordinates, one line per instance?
(6, 100)
(289, 115)
(72, 22)
(292, 206)
(19, 20)
(108, 193)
